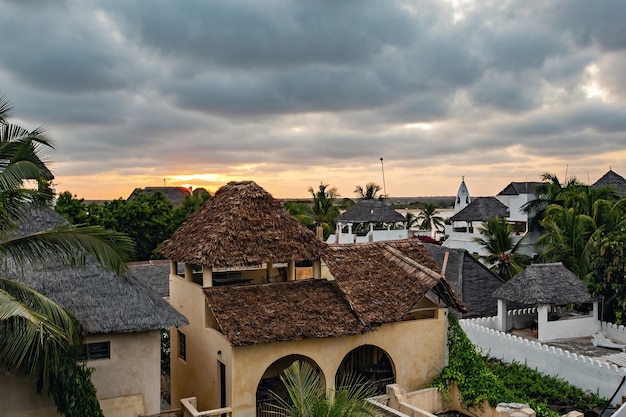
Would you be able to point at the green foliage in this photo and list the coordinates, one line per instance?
(502, 256)
(72, 208)
(307, 397)
(485, 379)
(369, 192)
(72, 390)
(324, 208)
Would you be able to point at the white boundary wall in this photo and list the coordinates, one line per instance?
(581, 371)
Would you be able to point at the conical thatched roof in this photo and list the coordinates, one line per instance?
(283, 311)
(482, 209)
(551, 284)
(612, 179)
(370, 211)
(241, 225)
(101, 301)
(383, 281)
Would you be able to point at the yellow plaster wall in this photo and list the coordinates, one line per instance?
(417, 350)
(127, 385)
(198, 375)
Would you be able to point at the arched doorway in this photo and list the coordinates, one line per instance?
(271, 383)
(370, 363)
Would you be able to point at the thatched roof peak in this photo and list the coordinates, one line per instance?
(370, 211)
(549, 283)
(241, 225)
(101, 301)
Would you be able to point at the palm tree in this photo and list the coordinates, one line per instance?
(369, 192)
(325, 211)
(307, 397)
(503, 257)
(548, 192)
(36, 333)
(430, 218)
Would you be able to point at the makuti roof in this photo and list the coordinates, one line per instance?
(383, 281)
(370, 211)
(242, 225)
(175, 194)
(550, 283)
(471, 280)
(517, 188)
(375, 283)
(612, 179)
(482, 209)
(99, 299)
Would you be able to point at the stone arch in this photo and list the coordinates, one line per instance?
(369, 362)
(270, 381)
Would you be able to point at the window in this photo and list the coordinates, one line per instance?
(95, 351)
(182, 346)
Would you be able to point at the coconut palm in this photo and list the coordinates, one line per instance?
(325, 211)
(430, 218)
(502, 256)
(547, 193)
(35, 332)
(307, 397)
(368, 192)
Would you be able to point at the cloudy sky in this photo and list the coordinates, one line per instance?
(293, 93)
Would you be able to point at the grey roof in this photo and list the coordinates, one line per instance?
(175, 194)
(612, 179)
(370, 211)
(153, 274)
(469, 278)
(100, 300)
(517, 188)
(540, 284)
(482, 209)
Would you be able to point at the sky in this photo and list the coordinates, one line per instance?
(291, 94)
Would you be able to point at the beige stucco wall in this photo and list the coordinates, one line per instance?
(128, 384)
(417, 350)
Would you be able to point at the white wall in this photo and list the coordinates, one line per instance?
(581, 371)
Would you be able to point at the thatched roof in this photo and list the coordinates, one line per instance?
(612, 179)
(481, 209)
(517, 188)
(242, 225)
(153, 274)
(100, 300)
(540, 284)
(370, 211)
(283, 311)
(175, 194)
(471, 280)
(383, 281)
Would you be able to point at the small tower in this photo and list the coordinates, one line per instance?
(462, 197)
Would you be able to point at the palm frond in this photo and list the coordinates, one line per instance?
(68, 244)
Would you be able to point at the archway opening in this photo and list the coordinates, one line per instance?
(370, 364)
(270, 383)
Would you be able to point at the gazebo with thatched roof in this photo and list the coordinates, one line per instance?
(549, 287)
(242, 227)
(368, 215)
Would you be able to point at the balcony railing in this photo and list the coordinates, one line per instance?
(188, 409)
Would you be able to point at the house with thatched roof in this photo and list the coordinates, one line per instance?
(379, 309)
(549, 290)
(465, 225)
(614, 180)
(122, 318)
(369, 220)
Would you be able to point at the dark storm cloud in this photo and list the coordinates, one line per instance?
(287, 84)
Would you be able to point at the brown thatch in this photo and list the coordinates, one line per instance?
(294, 310)
(241, 225)
(550, 283)
(101, 301)
(383, 281)
(370, 211)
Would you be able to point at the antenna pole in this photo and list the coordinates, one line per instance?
(382, 167)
